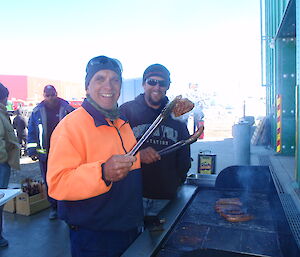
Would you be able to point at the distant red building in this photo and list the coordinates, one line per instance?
(30, 89)
(17, 86)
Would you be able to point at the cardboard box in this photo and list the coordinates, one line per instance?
(10, 206)
(27, 205)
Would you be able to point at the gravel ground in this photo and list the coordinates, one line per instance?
(29, 169)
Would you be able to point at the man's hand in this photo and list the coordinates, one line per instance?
(149, 155)
(117, 167)
(34, 157)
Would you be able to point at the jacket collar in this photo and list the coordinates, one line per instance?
(98, 117)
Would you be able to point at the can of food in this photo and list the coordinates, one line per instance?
(206, 162)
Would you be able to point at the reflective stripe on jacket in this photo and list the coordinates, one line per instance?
(37, 128)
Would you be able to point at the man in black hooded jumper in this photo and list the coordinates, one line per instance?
(162, 175)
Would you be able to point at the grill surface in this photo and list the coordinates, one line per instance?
(201, 231)
(194, 229)
(202, 227)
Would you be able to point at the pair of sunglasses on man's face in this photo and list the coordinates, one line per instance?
(154, 82)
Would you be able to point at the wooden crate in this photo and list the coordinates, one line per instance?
(28, 205)
(10, 206)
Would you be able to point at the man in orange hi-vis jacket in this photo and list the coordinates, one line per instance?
(98, 187)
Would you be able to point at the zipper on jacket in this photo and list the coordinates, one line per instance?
(112, 122)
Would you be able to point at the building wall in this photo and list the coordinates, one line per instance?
(17, 86)
(280, 29)
(31, 88)
(279, 55)
(66, 90)
(130, 89)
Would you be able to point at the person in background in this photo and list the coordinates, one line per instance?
(197, 117)
(98, 187)
(43, 119)
(162, 175)
(9, 150)
(19, 125)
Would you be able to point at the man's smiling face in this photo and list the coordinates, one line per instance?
(104, 88)
(154, 94)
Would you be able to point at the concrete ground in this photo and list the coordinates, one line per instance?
(36, 236)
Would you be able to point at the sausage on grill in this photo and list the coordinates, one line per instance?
(231, 209)
(234, 201)
(237, 217)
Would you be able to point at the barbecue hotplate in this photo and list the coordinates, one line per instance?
(194, 228)
(201, 227)
(201, 231)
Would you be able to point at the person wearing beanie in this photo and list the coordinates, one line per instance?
(42, 121)
(162, 175)
(98, 187)
(9, 150)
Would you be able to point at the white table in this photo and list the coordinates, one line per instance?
(9, 194)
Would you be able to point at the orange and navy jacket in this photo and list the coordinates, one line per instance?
(80, 144)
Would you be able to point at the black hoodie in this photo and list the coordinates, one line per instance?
(162, 178)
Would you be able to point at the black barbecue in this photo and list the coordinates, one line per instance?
(201, 231)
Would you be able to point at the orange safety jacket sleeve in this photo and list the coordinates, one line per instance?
(77, 152)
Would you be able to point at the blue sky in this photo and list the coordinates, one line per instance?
(213, 43)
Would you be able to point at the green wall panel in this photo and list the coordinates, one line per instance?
(297, 173)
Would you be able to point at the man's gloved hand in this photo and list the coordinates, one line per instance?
(34, 157)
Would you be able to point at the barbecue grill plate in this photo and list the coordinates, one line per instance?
(241, 240)
(188, 236)
(201, 227)
(216, 253)
(204, 253)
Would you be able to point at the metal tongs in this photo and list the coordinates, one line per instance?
(160, 118)
(193, 138)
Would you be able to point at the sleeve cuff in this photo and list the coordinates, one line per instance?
(107, 183)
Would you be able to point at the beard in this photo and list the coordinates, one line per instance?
(155, 103)
(52, 104)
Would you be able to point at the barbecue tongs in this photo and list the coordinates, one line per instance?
(160, 118)
(193, 138)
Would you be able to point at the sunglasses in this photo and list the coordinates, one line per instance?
(103, 60)
(154, 82)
